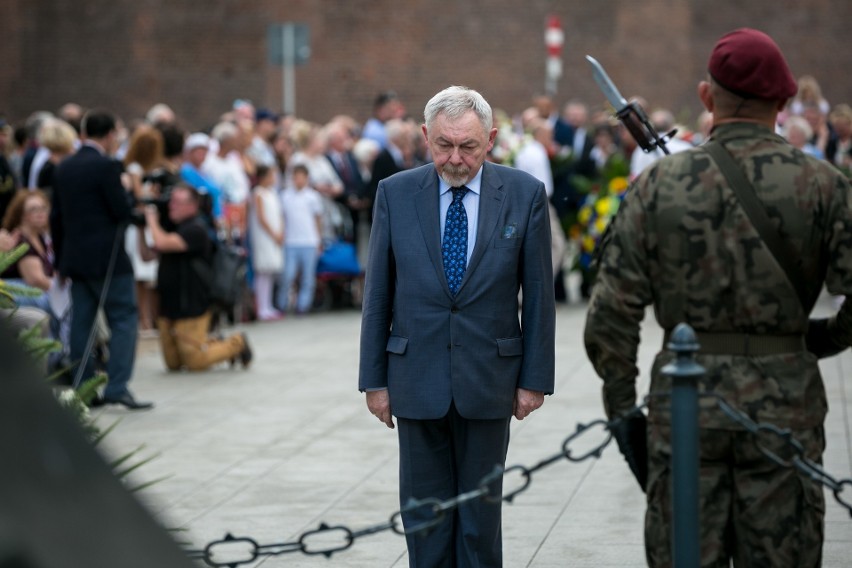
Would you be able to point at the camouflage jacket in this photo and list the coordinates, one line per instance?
(682, 242)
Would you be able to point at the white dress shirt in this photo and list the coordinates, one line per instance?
(41, 157)
(641, 160)
(533, 159)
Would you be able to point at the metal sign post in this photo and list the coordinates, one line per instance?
(288, 56)
(288, 45)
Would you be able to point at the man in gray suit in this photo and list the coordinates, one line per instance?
(442, 345)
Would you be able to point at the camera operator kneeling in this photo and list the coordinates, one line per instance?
(184, 319)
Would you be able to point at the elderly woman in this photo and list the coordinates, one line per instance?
(312, 143)
(798, 132)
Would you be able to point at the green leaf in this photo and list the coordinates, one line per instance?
(148, 484)
(8, 258)
(119, 461)
(89, 388)
(35, 345)
(125, 472)
(99, 438)
(18, 290)
(6, 300)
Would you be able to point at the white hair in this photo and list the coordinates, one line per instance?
(160, 112)
(454, 102)
(396, 130)
(365, 150)
(800, 123)
(225, 131)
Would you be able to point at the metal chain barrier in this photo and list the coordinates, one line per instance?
(783, 442)
(327, 540)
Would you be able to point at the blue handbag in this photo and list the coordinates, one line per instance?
(339, 258)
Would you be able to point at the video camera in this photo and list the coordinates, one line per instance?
(165, 181)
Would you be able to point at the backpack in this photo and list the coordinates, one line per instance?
(225, 274)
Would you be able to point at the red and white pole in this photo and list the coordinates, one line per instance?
(554, 39)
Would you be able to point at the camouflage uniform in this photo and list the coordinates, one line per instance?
(682, 242)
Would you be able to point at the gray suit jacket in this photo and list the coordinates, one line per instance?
(429, 348)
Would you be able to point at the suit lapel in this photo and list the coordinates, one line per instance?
(427, 203)
(491, 195)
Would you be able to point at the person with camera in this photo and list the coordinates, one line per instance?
(88, 219)
(184, 320)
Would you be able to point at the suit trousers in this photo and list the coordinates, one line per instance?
(185, 343)
(441, 459)
(121, 314)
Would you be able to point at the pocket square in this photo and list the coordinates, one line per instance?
(510, 231)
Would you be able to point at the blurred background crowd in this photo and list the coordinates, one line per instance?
(295, 197)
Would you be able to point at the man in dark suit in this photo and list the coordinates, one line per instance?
(442, 345)
(395, 157)
(570, 132)
(89, 216)
(344, 163)
(575, 141)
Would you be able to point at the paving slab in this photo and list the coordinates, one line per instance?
(275, 450)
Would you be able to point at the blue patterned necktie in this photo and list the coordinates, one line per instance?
(454, 245)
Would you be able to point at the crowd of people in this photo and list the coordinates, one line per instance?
(126, 220)
(287, 190)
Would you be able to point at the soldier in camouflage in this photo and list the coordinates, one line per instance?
(682, 242)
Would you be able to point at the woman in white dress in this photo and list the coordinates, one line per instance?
(266, 226)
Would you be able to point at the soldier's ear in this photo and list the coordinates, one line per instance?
(706, 95)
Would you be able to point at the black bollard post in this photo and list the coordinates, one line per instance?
(684, 372)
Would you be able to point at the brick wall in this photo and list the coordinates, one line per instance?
(199, 55)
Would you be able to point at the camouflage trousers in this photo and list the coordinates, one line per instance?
(752, 511)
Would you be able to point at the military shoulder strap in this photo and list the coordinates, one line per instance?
(781, 250)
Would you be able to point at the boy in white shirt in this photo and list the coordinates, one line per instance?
(302, 208)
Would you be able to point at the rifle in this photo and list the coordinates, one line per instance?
(631, 114)
(631, 433)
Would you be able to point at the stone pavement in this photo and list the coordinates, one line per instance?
(274, 451)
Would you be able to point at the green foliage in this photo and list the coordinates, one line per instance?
(8, 291)
(88, 390)
(70, 401)
(37, 346)
(123, 473)
(8, 258)
(603, 194)
(616, 166)
(34, 343)
(75, 401)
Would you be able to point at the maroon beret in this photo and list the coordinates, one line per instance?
(749, 64)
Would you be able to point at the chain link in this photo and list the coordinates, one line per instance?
(327, 540)
(794, 454)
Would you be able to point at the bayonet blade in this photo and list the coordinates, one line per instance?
(607, 86)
